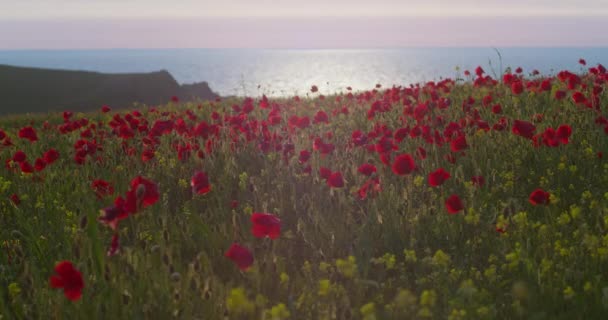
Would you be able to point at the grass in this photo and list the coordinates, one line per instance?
(396, 253)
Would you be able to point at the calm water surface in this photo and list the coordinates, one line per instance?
(286, 72)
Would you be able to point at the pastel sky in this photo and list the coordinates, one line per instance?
(62, 24)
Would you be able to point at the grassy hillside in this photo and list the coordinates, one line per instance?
(43, 90)
(477, 199)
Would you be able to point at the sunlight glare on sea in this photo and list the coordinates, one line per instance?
(285, 72)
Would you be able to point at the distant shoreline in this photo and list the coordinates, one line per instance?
(30, 89)
(284, 73)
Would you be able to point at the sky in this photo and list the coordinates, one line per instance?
(93, 24)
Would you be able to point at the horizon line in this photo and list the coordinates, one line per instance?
(305, 17)
(370, 48)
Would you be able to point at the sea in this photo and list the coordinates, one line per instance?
(288, 72)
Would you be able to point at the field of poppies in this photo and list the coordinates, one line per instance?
(466, 198)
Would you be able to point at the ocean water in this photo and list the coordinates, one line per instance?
(278, 72)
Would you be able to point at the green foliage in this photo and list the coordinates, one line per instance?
(395, 255)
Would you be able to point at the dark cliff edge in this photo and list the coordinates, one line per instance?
(25, 90)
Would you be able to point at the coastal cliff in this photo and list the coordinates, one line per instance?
(25, 90)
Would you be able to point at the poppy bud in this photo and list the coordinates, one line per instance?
(76, 252)
(197, 265)
(193, 284)
(176, 277)
(83, 222)
(126, 297)
(106, 273)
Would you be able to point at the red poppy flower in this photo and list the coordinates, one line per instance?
(560, 94)
(458, 144)
(487, 100)
(385, 158)
(325, 173)
(183, 152)
(582, 62)
(324, 148)
(19, 156)
(523, 128)
(563, 133)
(367, 169)
(240, 255)
(147, 155)
(314, 89)
(15, 199)
(496, 109)
(403, 164)
(578, 97)
(114, 246)
(538, 117)
(438, 177)
(102, 188)
(401, 134)
(517, 87)
(39, 164)
(478, 181)
(304, 156)
(303, 122)
(358, 138)
(454, 204)
(548, 138)
(125, 132)
(307, 170)
(545, 85)
(597, 90)
(50, 156)
(265, 225)
(372, 185)
(28, 133)
(80, 156)
(67, 115)
(200, 183)
(68, 278)
(335, 180)
(234, 204)
(105, 109)
(321, 117)
(539, 196)
(130, 203)
(145, 190)
(26, 167)
(112, 215)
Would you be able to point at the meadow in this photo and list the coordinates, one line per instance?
(477, 197)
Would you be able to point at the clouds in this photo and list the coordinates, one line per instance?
(304, 33)
(300, 24)
(138, 9)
